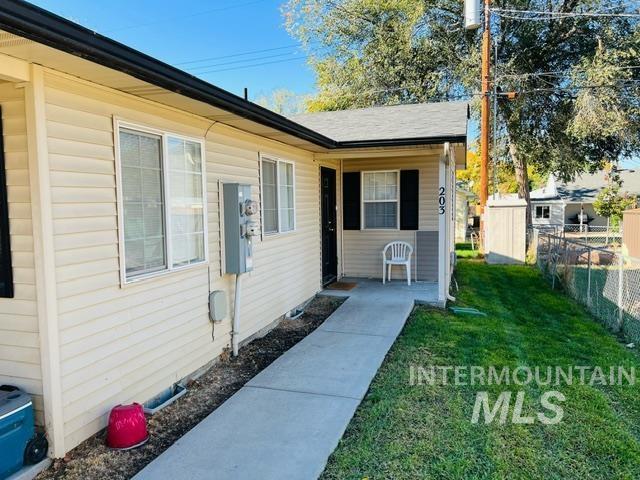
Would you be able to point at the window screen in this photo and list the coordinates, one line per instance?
(269, 196)
(143, 202)
(187, 203)
(380, 199)
(286, 196)
(278, 196)
(162, 201)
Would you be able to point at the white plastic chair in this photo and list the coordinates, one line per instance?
(400, 255)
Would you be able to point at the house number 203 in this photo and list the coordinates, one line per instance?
(442, 200)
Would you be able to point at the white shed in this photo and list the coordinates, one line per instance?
(463, 197)
(505, 230)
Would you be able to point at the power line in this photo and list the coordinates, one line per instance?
(295, 54)
(621, 84)
(180, 17)
(499, 11)
(462, 96)
(233, 62)
(240, 54)
(559, 72)
(250, 66)
(345, 94)
(547, 16)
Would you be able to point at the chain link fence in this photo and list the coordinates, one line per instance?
(602, 278)
(597, 236)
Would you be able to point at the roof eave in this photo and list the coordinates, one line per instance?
(402, 142)
(546, 199)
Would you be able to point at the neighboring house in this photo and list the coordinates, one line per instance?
(463, 198)
(561, 203)
(115, 165)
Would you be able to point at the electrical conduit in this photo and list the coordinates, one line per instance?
(235, 327)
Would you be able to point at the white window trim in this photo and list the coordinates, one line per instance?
(362, 202)
(164, 134)
(278, 161)
(542, 217)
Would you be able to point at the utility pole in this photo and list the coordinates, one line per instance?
(495, 120)
(472, 22)
(484, 114)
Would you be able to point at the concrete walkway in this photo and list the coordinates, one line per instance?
(287, 420)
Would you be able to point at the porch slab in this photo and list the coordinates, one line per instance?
(421, 293)
(289, 418)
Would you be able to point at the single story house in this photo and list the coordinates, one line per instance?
(114, 170)
(561, 203)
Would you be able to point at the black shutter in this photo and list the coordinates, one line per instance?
(409, 204)
(6, 274)
(351, 201)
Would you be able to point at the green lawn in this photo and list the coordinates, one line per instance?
(414, 432)
(464, 250)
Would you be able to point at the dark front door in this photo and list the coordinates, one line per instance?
(329, 235)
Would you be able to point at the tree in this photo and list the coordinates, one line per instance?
(283, 101)
(381, 52)
(506, 184)
(610, 201)
(603, 113)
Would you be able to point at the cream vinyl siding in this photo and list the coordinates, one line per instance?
(363, 248)
(19, 341)
(286, 271)
(123, 344)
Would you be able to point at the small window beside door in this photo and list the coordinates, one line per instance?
(278, 196)
(162, 209)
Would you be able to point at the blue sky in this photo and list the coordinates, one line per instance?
(201, 32)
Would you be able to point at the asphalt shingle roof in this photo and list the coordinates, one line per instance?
(421, 120)
(585, 187)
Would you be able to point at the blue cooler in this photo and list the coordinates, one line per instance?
(18, 444)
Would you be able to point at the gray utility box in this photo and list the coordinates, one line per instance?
(239, 227)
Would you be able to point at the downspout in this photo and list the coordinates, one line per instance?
(340, 225)
(235, 326)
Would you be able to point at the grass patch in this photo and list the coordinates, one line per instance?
(402, 431)
(464, 250)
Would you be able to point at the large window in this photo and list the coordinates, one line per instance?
(278, 196)
(162, 202)
(380, 199)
